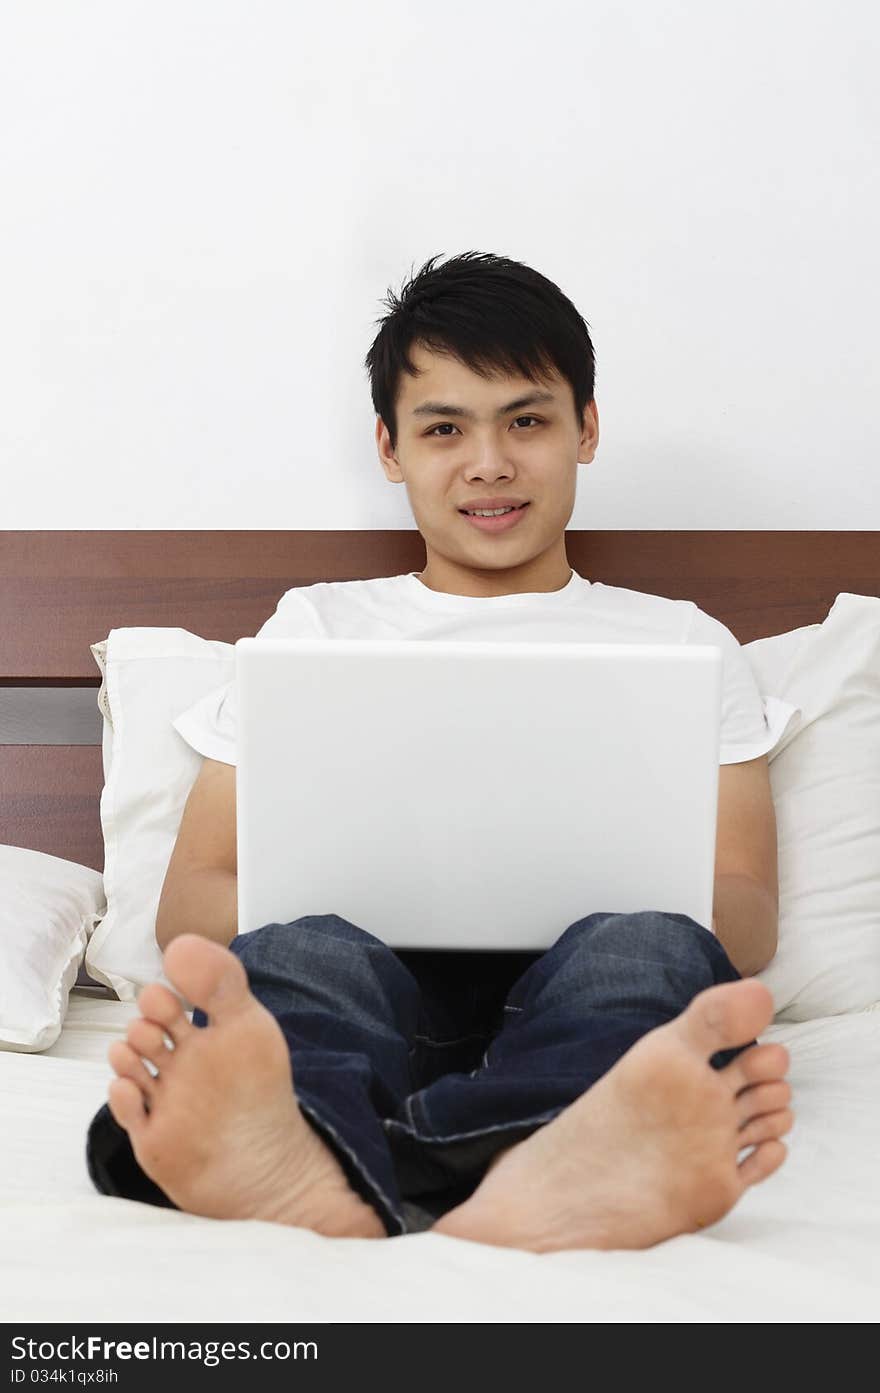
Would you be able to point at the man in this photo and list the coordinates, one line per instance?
(596, 1095)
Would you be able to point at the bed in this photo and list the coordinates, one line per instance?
(802, 1246)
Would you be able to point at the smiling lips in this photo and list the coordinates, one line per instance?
(502, 523)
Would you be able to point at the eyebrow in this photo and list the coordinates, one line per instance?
(439, 408)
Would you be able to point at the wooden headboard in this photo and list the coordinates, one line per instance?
(62, 591)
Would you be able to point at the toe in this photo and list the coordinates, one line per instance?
(761, 1162)
(128, 1065)
(157, 1003)
(208, 975)
(725, 1016)
(148, 1040)
(762, 1098)
(758, 1064)
(766, 1128)
(126, 1103)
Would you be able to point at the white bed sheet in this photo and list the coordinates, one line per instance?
(802, 1246)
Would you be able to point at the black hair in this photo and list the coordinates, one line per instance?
(496, 316)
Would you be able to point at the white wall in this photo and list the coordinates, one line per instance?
(205, 201)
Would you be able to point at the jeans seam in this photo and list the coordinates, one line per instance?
(391, 1123)
(407, 1107)
(441, 1044)
(356, 1161)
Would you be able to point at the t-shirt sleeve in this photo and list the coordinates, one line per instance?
(209, 727)
(752, 723)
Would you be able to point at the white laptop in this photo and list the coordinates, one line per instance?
(456, 794)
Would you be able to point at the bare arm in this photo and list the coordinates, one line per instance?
(745, 912)
(200, 892)
(746, 923)
(203, 901)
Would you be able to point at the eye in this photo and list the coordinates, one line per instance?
(449, 423)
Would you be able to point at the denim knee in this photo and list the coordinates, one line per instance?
(638, 961)
(324, 962)
(316, 933)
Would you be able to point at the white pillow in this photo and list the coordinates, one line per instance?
(150, 676)
(825, 777)
(48, 909)
(824, 772)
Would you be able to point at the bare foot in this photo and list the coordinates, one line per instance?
(650, 1150)
(219, 1128)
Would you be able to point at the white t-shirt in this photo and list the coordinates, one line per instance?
(581, 612)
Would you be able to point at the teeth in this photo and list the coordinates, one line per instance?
(489, 512)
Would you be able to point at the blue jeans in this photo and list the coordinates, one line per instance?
(416, 1067)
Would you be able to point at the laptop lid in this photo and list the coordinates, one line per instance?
(454, 794)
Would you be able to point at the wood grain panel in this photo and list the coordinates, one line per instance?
(61, 591)
(50, 797)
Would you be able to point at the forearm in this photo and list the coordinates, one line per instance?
(203, 902)
(746, 923)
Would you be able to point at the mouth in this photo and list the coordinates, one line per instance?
(502, 523)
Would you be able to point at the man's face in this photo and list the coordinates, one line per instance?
(528, 452)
